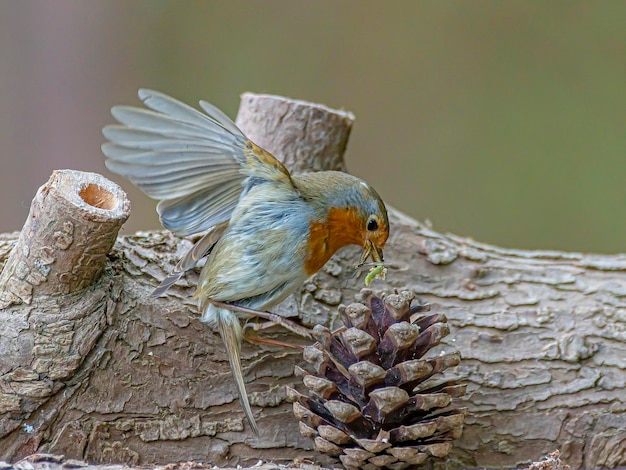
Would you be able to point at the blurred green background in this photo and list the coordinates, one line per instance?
(502, 121)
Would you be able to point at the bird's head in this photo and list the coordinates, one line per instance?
(373, 225)
(353, 214)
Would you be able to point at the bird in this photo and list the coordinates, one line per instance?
(264, 231)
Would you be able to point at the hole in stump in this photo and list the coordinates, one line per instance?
(99, 197)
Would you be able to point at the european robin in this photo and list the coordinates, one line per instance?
(268, 231)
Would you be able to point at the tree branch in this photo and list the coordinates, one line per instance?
(106, 374)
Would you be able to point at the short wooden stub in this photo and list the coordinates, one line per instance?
(73, 222)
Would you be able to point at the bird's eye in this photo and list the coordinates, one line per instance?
(372, 225)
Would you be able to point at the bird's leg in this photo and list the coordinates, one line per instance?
(260, 326)
(272, 317)
(255, 339)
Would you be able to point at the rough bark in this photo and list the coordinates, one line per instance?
(542, 334)
(62, 248)
(59, 462)
(304, 136)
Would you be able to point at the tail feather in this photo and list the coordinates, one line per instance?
(231, 332)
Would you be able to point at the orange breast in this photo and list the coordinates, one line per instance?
(343, 226)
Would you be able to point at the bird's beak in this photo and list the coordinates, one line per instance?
(372, 250)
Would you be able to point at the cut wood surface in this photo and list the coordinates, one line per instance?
(101, 372)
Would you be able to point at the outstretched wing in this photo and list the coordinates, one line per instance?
(197, 165)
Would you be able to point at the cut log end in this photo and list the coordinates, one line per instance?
(73, 222)
(98, 197)
(92, 194)
(303, 136)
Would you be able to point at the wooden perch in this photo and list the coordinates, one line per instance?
(304, 136)
(72, 225)
(103, 373)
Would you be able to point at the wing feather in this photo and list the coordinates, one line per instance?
(202, 248)
(197, 165)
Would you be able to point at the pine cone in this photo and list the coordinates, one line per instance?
(373, 402)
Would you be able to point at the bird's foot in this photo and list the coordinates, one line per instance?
(270, 317)
(253, 338)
